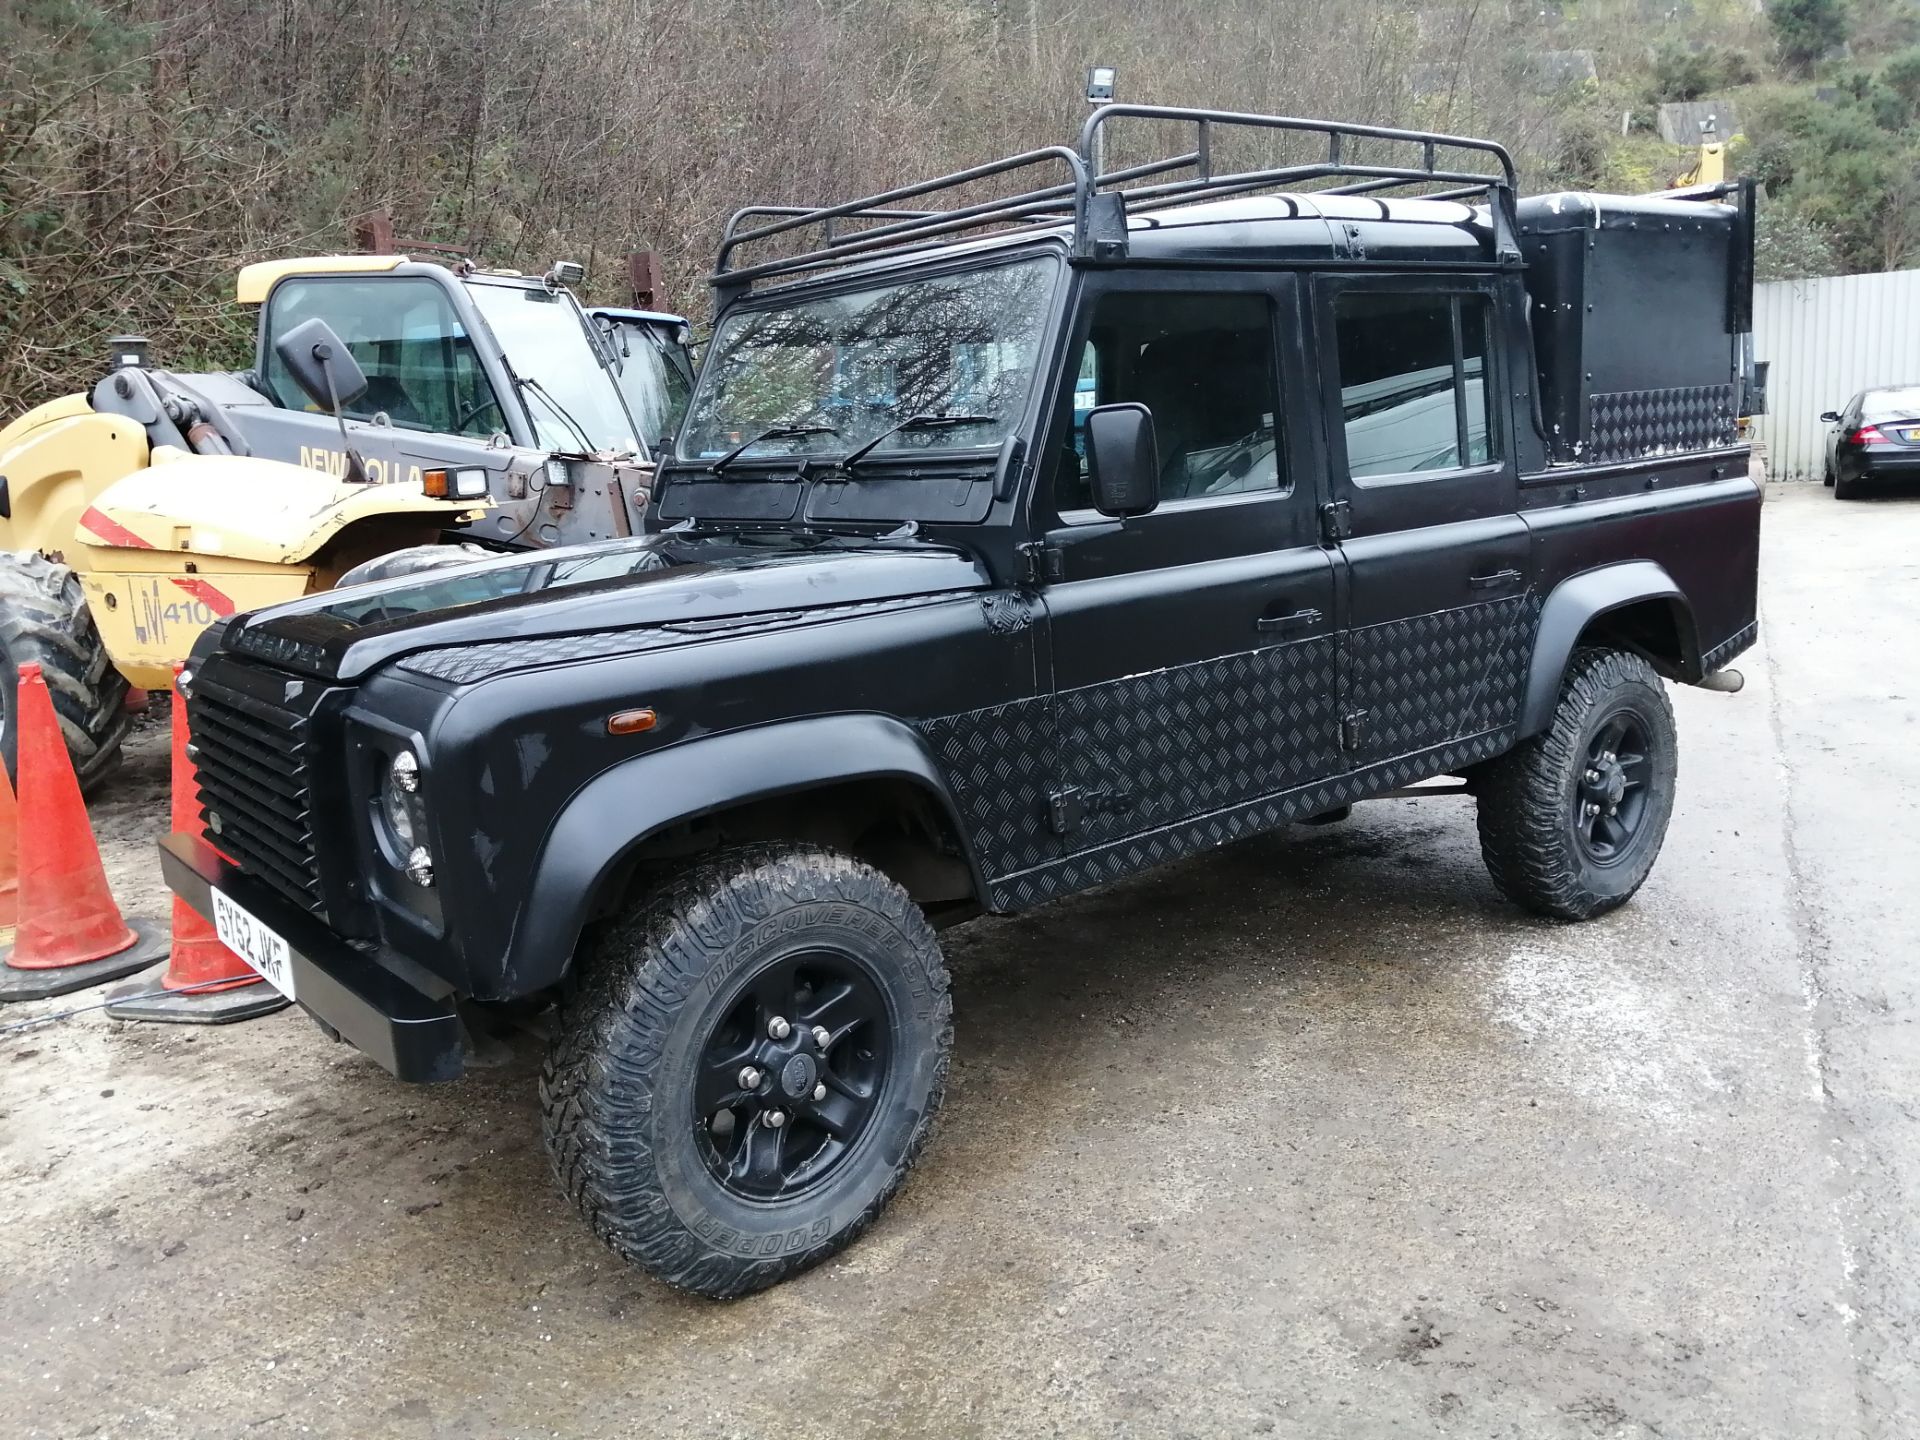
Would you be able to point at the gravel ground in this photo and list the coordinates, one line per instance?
(1312, 1136)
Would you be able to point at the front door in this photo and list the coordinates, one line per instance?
(1441, 615)
(429, 402)
(1193, 648)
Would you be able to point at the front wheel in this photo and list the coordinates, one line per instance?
(747, 1064)
(1572, 820)
(44, 619)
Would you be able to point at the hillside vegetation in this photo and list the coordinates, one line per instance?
(147, 150)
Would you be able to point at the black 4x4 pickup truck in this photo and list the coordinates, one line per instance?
(1007, 549)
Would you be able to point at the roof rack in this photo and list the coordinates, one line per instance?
(1096, 202)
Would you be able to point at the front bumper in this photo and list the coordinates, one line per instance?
(408, 1024)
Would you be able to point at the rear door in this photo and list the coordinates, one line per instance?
(1424, 499)
(1194, 653)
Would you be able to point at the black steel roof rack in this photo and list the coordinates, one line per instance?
(1095, 202)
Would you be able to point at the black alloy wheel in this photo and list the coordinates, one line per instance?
(1610, 802)
(791, 1075)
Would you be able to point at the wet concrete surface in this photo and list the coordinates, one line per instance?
(1311, 1136)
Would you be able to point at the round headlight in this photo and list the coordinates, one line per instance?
(396, 808)
(400, 802)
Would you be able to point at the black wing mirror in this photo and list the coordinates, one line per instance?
(1123, 460)
(1831, 417)
(321, 365)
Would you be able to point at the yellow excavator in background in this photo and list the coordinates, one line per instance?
(1710, 167)
(398, 415)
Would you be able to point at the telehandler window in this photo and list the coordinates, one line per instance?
(421, 367)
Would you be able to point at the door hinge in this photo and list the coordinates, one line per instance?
(1353, 729)
(1066, 809)
(1040, 562)
(1336, 522)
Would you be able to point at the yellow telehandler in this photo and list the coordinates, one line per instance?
(398, 415)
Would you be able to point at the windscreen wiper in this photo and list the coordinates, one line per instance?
(772, 432)
(914, 422)
(529, 384)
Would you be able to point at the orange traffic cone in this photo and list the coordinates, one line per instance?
(69, 934)
(206, 983)
(9, 862)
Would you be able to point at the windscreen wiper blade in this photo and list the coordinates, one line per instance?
(528, 384)
(914, 422)
(772, 432)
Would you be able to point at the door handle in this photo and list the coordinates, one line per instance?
(1286, 624)
(1498, 580)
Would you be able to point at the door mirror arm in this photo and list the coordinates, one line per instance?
(326, 372)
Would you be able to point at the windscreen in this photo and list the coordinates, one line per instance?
(565, 386)
(1879, 405)
(948, 358)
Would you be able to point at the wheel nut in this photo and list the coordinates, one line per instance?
(821, 1037)
(749, 1078)
(819, 1092)
(776, 1118)
(778, 1028)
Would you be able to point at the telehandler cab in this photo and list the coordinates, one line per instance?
(466, 408)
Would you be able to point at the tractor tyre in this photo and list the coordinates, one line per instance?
(44, 620)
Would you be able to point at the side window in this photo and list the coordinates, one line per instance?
(421, 367)
(1203, 364)
(1413, 382)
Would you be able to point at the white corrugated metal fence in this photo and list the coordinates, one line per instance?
(1827, 340)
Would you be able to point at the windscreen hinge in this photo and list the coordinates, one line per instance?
(1040, 562)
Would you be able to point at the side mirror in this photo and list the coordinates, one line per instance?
(321, 365)
(1831, 417)
(1123, 460)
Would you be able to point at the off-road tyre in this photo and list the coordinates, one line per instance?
(1530, 798)
(637, 1021)
(413, 560)
(44, 619)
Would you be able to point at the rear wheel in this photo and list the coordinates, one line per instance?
(1572, 820)
(747, 1064)
(44, 620)
(1843, 488)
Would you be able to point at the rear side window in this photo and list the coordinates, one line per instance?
(1413, 382)
(421, 367)
(1203, 364)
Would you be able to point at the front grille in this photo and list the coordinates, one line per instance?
(252, 762)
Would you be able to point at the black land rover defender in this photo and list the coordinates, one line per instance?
(1006, 549)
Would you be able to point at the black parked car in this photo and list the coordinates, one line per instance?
(1874, 441)
(1006, 550)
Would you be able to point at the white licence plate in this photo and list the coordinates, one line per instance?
(254, 942)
